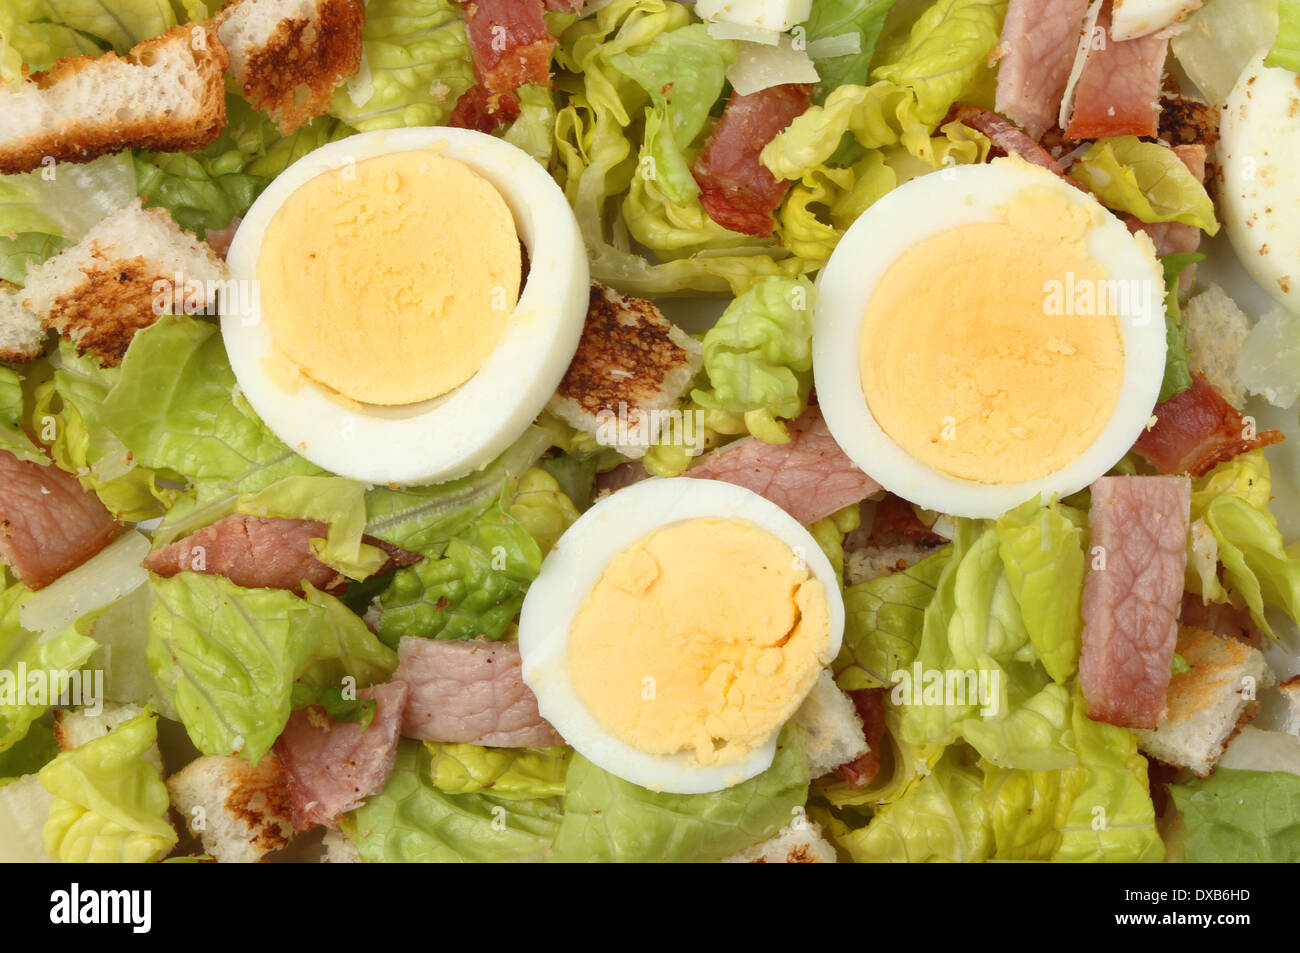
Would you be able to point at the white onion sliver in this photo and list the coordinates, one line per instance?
(1080, 57)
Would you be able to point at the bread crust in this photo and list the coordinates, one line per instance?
(89, 140)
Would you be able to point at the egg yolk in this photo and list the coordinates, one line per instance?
(703, 637)
(390, 281)
(992, 352)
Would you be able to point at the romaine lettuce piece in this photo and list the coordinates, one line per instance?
(1235, 816)
(474, 590)
(509, 773)
(1286, 49)
(110, 804)
(900, 765)
(534, 130)
(1036, 735)
(12, 436)
(1028, 809)
(413, 820)
(609, 819)
(1178, 377)
(27, 756)
(347, 648)
(542, 508)
(121, 24)
(758, 356)
(1147, 180)
(225, 658)
(831, 18)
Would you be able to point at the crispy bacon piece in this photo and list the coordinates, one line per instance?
(509, 43)
(1119, 90)
(565, 6)
(862, 770)
(1006, 138)
(896, 523)
(1197, 430)
(737, 190)
(483, 111)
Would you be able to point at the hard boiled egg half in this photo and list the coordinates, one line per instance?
(393, 336)
(675, 628)
(986, 334)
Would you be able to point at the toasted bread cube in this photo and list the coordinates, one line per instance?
(239, 812)
(1209, 703)
(339, 849)
(832, 729)
(1290, 691)
(21, 336)
(1216, 331)
(796, 844)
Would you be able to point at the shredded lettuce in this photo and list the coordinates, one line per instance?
(110, 804)
(510, 773)
(1286, 49)
(413, 820)
(1147, 180)
(758, 356)
(1235, 816)
(609, 819)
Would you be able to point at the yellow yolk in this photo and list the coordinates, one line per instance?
(992, 352)
(705, 636)
(391, 281)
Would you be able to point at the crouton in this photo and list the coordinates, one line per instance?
(132, 266)
(1290, 692)
(873, 561)
(833, 730)
(21, 336)
(73, 727)
(289, 55)
(1216, 331)
(168, 93)
(339, 849)
(630, 363)
(24, 809)
(796, 844)
(238, 811)
(1207, 704)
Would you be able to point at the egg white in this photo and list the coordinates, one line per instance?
(444, 438)
(576, 564)
(1258, 144)
(919, 210)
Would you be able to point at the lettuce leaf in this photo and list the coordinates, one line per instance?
(415, 64)
(1286, 48)
(27, 756)
(12, 436)
(1235, 816)
(758, 356)
(110, 804)
(839, 17)
(883, 623)
(1028, 809)
(1178, 377)
(1147, 180)
(609, 819)
(347, 649)
(1036, 735)
(510, 773)
(474, 590)
(534, 130)
(225, 658)
(122, 24)
(412, 820)
(900, 766)
(542, 508)
(28, 38)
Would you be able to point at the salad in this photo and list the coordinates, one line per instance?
(644, 431)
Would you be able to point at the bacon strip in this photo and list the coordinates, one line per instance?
(483, 111)
(1006, 138)
(810, 477)
(1040, 38)
(1118, 93)
(737, 190)
(895, 523)
(259, 552)
(509, 42)
(49, 523)
(331, 767)
(1132, 595)
(862, 770)
(1197, 430)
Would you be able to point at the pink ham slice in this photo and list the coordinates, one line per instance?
(331, 767)
(1131, 600)
(1118, 93)
(49, 523)
(623, 475)
(1040, 38)
(1176, 238)
(810, 477)
(1006, 138)
(471, 692)
(259, 552)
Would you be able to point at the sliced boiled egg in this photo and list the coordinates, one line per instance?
(675, 628)
(986, 334)
(1259, 139)
(392, 335)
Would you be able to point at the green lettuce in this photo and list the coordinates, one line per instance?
(1286, 48)
(510, 773)
(225, 658)
(347, 649)
(883, 620)
(413, 820)
(1027, 810)
(534, 130)
(474, 590)
(1178, 377)
(1035, 735)
(12, 436)
(1147, 180)
(900, 766)
(337, 704)
(28, 38)
(609, 819)
(27, 756)
(1235, 816)
(121, 24)
(758, 356)
(542, 508)
(416, 64)
(1042, 552)
(839, 17)
(110, 804)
